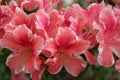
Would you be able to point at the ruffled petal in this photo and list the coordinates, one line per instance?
(115, 47)
(56, 20)
(31, 4)
(78, 47)
(94, 10)
(7, 41)
(16, 61)
(50, 48)
(22, 34)
(65, 36)
(42, 18)
(29, 64)
(105, 57)
(107, 18)
(55, 64)
(20, 76)
(36, 75)
(37, 44)
(90, 57)
(20, 17)
(74, 64)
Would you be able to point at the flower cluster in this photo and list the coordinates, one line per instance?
(57, 37)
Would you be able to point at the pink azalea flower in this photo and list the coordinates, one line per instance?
(64, 50)
(26, 48)
(108, 37)
(83, 24)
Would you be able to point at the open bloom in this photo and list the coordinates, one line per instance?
(65, 51)
(26, 48)
(108, 37)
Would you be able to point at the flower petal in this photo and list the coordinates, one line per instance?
(90, 57)
(74, 64)
(20, 17)
(115, 47)
(105, 57)
(36, 75)
(22, 34)
(78, 47)
(20, 76)
(42, 18)
(65, 36)
(7, 41)
(108, 18)
(31, 4)
(29, 64)
(38, 44)
(55, 64)
(16, 61)
(50, 48)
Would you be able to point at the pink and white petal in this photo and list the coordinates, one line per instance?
(94, 11)
(56, 18)
(22, 34)
(32, 4)
(105, 56)
(107, 18)
(78, 47)
(42, 18)
(6, 16)
(38, 62)
(74, 11)
(50, 48)
(16, 61)
(9, 27)
(29, 64)
(115, 47)
(7, 41)
(100, 36)
(38, 44)
(117, 65)
(40, 30)
(74, 64)
(55, 64)
(36, 75)
(29, 5)
(20, 17)
(20, 76)
(65, 36)
(90, 57)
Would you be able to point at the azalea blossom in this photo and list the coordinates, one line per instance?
(26, 48)
(108, 37)
(64, 50)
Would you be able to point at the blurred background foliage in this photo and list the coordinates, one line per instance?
(94, 72)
